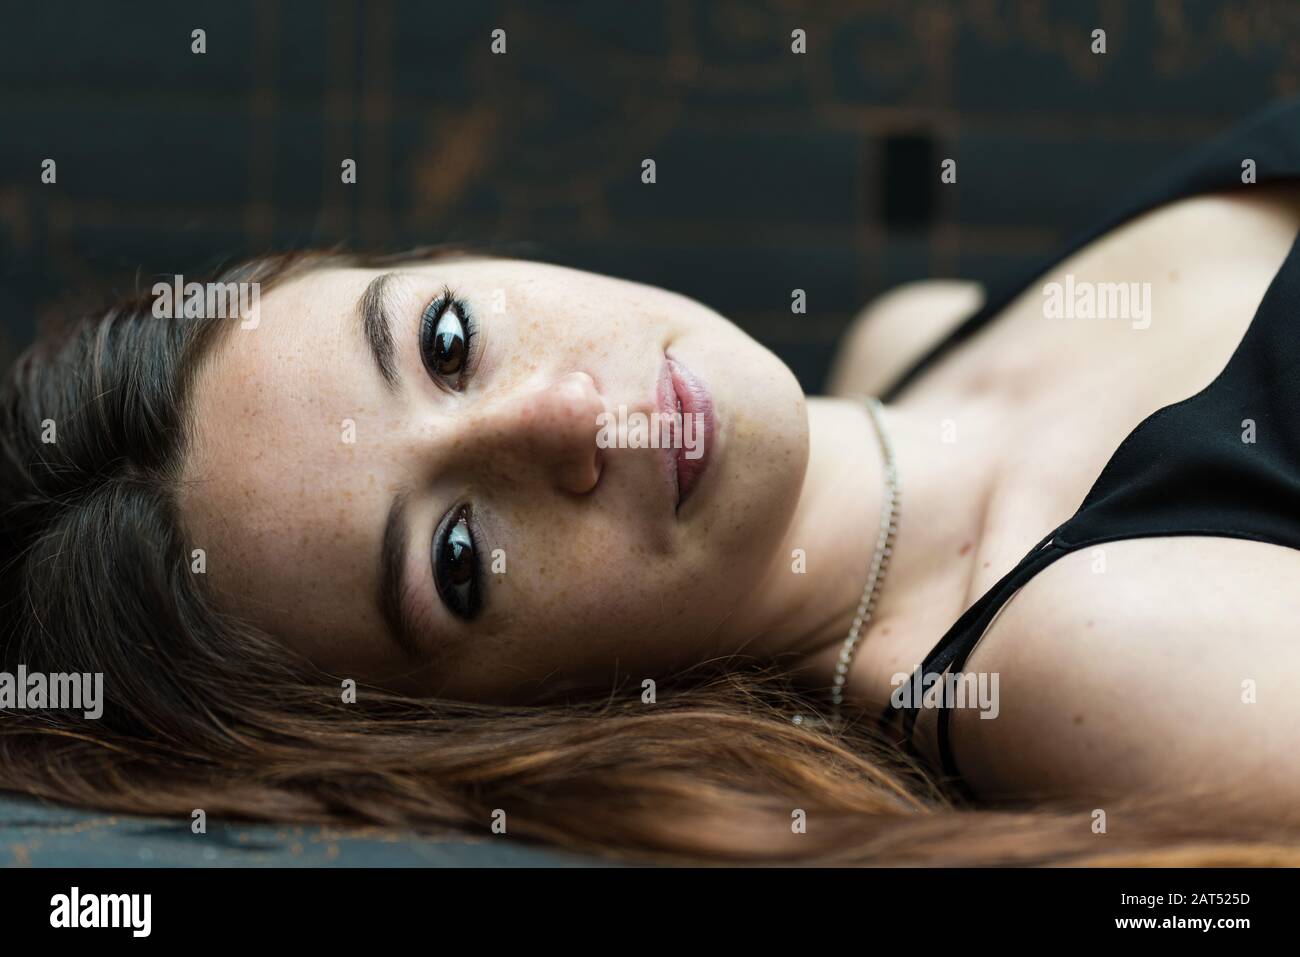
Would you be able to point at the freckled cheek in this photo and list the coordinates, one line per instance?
(595, 585)
(544, 348)
(584, 338)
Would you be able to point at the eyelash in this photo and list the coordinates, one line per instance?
(429, 320)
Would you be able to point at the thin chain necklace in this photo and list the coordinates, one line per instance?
(879, 560)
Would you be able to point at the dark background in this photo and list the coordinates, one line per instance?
(775, 170)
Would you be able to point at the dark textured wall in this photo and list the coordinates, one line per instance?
(775, 170)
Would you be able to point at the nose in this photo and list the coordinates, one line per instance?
(553, 429)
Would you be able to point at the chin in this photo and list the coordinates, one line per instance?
(764, 445)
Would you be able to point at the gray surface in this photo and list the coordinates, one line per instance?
(33, 834)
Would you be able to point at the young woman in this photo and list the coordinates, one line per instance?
(365, 560)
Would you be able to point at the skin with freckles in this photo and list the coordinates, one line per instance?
(597, 575)
(606, 580)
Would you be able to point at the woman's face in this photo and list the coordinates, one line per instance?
(454, 526)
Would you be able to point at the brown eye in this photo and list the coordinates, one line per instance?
(445, 336)
(449, 343)
(455, 565)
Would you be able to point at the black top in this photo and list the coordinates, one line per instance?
(1185, 469)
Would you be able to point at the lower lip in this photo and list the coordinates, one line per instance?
(695, 401)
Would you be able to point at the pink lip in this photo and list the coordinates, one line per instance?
(678, 384)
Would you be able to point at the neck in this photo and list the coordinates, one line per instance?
(805, 604)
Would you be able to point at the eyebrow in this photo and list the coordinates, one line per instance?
(375, 310)
(376, 327)
(392, 563)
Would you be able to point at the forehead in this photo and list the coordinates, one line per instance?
(268, 392)
(269, 481)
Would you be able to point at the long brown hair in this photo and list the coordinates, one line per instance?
(208, 713)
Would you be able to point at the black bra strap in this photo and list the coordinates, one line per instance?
(951, 655)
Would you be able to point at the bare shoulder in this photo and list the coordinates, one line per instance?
(896, 329)
(1143, 665)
